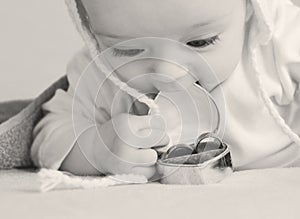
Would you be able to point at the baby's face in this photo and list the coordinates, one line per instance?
(213, 28)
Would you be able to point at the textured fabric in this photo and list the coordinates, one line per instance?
(11, 108)
(18, 120)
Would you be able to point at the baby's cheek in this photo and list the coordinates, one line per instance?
(227, 55)
(225, 59)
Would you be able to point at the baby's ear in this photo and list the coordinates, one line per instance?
(249, 10)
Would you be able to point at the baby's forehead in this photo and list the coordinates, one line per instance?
(151, 16)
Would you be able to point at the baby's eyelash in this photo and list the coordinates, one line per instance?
(126, 52)
(204, 42)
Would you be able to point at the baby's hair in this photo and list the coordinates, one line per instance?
(80, 18)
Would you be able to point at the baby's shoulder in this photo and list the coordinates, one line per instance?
(80, 61)
(82, 67)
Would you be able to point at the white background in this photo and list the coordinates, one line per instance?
(37, 39)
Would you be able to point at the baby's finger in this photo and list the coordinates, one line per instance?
(152, 138)
(133, 156)
(146, 138)
(145, 157)
(135, 123)
(129, 130)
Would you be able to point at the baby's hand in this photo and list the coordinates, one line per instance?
(130, 139)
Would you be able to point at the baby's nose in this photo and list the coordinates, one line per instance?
(168, 76)
(167, 70)
(175, 64)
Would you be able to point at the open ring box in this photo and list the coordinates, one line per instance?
(206, 161)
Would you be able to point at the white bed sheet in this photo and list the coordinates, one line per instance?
(269, 193)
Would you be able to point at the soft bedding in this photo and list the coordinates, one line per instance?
(266, 193)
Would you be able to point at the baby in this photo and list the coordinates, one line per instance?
(252, 46)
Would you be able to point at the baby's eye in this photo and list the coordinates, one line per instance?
(204, 42)
(126, 52)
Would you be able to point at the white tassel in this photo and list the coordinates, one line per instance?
(268, 102)
(53, 179)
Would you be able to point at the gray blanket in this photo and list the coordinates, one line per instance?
(17, 120)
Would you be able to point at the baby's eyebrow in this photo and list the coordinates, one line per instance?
(214, 21)
(220, 19)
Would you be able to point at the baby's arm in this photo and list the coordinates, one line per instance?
(122, 149)
(109, 145)
(120, 145)
(54, 137)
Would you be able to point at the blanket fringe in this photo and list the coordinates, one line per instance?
(53, 179)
